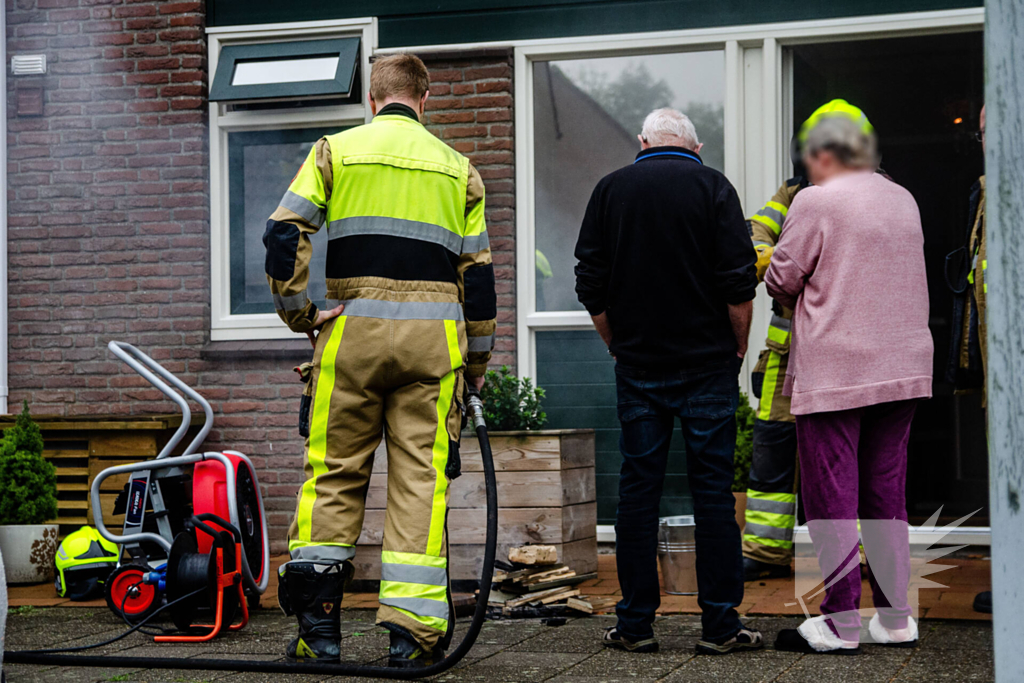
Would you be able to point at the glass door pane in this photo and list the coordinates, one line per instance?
(587, 114)
(923, 95)
(261, 165)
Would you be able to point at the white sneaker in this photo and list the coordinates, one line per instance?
(821, 638)
(901, 637)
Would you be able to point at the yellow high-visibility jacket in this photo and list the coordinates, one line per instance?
(399, 205)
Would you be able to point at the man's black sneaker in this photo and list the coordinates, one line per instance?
(744, 639)
(406, 653)
(612, 638)
(754, 570)
(983, 602)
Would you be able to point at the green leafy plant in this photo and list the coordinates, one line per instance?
(28, 482)
(510, 403)
(744, 445)
(23, 611)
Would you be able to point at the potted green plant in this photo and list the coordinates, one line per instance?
(512, 404)
(28, 499)
(744, 456)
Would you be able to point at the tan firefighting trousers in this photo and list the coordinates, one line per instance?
(381, 371)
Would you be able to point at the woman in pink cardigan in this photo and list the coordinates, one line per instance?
(850, 262)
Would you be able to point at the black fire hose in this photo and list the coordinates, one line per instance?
(476, 415)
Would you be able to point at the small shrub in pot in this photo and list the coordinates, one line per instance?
(512, 404)
(28, 499)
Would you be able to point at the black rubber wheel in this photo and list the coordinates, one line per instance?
(127, 596)
(249, 521)
(253, 601)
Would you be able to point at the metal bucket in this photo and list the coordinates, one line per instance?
(677, 554)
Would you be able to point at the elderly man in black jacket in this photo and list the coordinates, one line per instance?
(667, 274)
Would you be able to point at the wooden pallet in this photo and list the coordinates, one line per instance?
(80, 447)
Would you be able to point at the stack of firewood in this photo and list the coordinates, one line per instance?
(534, 584)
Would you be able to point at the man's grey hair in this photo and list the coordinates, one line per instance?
(669, 127)
(844, 138)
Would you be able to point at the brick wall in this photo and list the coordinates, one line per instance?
(470, 108)
(109, 222)
(108, 208)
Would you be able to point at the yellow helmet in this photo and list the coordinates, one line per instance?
(84, 560)
(835, 108)
(543, 265)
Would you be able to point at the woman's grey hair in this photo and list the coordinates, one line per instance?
(665, 127)
(844, 138)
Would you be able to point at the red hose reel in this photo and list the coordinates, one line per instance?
(209, 496)
(212, 579)
(208, 556)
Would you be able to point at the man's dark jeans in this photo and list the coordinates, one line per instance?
(705, 402)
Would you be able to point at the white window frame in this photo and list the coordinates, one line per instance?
(758, 112)
(224, 325)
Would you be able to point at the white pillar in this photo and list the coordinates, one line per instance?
(1004, 165)
(3, 609)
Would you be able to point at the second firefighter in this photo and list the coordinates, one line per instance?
(771, 496)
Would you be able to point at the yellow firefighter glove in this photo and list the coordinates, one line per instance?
(764, 259)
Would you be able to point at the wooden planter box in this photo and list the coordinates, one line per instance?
(80, 447)
(546, 494)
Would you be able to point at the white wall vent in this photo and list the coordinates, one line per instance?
(28, 65)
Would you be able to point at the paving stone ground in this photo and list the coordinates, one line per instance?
(522, 651)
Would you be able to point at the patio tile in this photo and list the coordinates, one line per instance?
(651, 665)
(516, 651)
(937, 666)
(948, 636)
(519, 667)
(746, 667)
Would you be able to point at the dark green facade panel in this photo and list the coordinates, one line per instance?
(578, 377)
(407, 22)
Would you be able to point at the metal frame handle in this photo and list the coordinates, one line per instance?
(97, 504)
(180, 461)
(146, 367)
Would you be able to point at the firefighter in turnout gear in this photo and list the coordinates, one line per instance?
(771, 496)
(967, 278)
(410, 318)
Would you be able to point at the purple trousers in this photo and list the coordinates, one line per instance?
(853, 465)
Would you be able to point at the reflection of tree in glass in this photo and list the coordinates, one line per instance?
(630, 97)
(634, 93)
(709, 121)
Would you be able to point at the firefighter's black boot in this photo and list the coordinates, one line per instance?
(312, 591)
(406, 653)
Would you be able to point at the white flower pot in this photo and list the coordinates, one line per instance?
(28, 551)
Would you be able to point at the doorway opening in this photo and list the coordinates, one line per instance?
(923, 95)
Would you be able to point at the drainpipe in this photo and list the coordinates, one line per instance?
(3, 217)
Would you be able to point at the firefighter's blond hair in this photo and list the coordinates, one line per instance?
(401, 75)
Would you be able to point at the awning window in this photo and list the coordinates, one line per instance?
(309, 68)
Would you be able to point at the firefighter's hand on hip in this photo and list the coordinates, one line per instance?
(321, 318)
